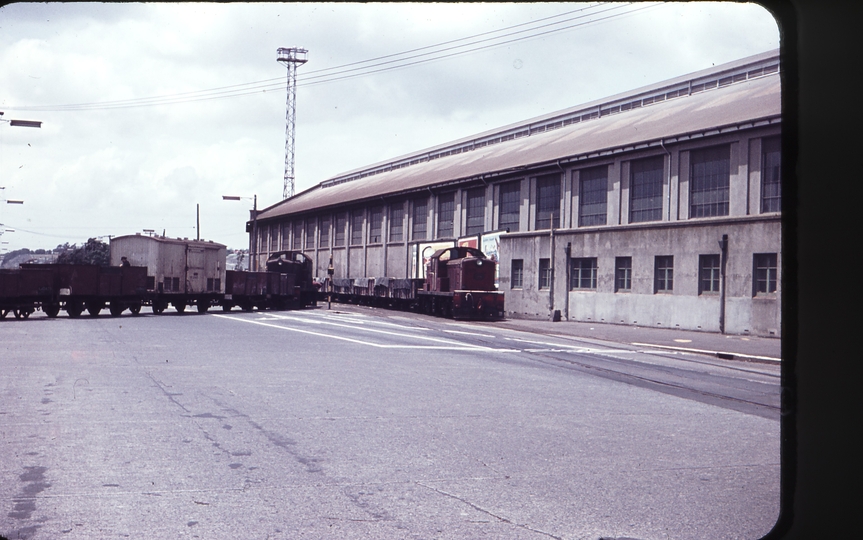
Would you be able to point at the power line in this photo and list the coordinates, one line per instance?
(332, 74)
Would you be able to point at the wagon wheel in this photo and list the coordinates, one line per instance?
(158, 307)
(21, 313)
(3, 313)
(246, 306)
(226, 307)
(135, 309)
(203, 306)
(51, 310)
(93, 308)
(116, 309)
(74, 309)
(180, 306)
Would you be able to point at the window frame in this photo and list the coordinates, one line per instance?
(771, 276)
(340, 223)
(310, 233)
(663, 274)
(324, 236)
(709, 273)
(506, 203)
(771, 174)
(420, 210)
(376, 224)
(396, 232)
(592, 176)
(297, 235)
(623, 273)
(475, 213)
(645, 189)
(446, 215)
(516, 274)
(710, 193)
(544, 271)
(578, 267)
(546, 186)
(356, 233)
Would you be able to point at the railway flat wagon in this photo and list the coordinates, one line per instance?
(180, 272)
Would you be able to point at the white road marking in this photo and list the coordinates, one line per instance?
(770, 358)
(453, 346)
(468, 333)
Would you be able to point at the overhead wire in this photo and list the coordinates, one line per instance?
(328, 75)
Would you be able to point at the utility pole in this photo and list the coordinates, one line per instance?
(292, 58)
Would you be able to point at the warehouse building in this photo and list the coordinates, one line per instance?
(657, 207)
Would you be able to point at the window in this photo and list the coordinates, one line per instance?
(517, 274)
(397, 222)
(548, 201)
(708, 182)
(622, 274)
(310, 233)
(274, 237)
(445, 213)
(357, 227)
(645, 190)
(297, 239)
(708, 274)
(544, 274)
(764, 273)
(324, 238)
(510, 197)
(341, 222)
(771, 175)
(421, 216)
(583, 273)
(376, 217)
(475, 211)
(663, 270)
(592, 196)
(286, 235)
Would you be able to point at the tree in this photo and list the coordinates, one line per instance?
(93, 252)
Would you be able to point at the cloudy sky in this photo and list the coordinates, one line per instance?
(151, 109)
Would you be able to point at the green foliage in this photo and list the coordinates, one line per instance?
(93, 252)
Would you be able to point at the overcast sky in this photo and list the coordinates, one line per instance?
(109, 160)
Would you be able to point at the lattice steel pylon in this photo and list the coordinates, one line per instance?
(292, 58)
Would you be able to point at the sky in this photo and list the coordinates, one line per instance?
(150, 111)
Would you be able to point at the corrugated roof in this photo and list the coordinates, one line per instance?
(728, 105)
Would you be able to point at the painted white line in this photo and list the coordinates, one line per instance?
(715, 353)
(468, 333)
(451, 346)
(373, 330)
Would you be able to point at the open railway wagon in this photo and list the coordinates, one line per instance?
(286, 284)
(73, 288)
(180, 272)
